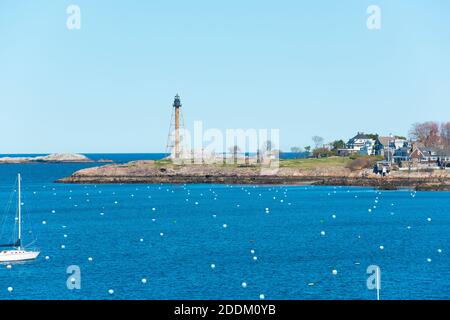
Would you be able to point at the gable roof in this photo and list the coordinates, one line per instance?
(443, 153)
(384, 140)
(416, 154)
(439, 152)
(361, 135)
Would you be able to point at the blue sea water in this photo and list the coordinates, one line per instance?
(172, 235)
(115, 157)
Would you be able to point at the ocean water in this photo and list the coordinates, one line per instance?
(115, 157)
(172, 235)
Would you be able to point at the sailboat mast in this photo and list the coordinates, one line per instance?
(19, 206)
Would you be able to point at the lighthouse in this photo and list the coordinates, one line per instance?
(177, 107)
(174, 141)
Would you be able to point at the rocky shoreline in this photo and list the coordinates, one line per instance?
(52, 158)
(151, 172)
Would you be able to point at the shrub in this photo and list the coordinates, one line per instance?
(323, 153)
(362, 162)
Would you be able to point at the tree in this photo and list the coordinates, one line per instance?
(426, 133)
(318, 141)
(296, 150)
(338, 144)
(322, 153)
(373, 136)
(445, 134)
(308, 149)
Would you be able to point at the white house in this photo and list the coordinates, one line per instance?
(398, 143)
(361, 143)
(368, 149)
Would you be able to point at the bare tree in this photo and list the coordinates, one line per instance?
(426, 133)
(318, 141)
(445, 134)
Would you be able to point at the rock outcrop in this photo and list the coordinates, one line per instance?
(52, 158)
(154, 172)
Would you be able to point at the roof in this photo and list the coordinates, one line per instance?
(384, 140)
(416, 154)
(362, 135)
(442, 152)
(433, 150)
(402, 152)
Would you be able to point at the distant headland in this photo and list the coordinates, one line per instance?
(335, 171)
(384, 162)
(52, 158)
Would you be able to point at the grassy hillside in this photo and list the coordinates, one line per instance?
(311, 163)
(305, 163)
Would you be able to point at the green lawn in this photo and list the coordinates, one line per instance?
(307, 163)
(311, 163)
(163, 162)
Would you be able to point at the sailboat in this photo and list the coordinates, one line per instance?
(17, 253)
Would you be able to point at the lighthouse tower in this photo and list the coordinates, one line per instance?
(177, 107)
(176, 125)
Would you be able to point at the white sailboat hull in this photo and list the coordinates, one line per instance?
(17, 255)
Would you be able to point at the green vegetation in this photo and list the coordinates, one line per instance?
(338, 144)
(323, 153)
(163, 162)
(311, 163)
(359, 156)
(354, 162)
(373, 136)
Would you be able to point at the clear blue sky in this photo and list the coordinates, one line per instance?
(305, 67)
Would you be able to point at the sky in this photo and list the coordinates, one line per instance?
(304, 67)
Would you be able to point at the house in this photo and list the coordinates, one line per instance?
(437, 155)
(399, 142)
(386, 146)
(424, 155)
(402, 154)
(443, 155)
(345, 152)
(368, 148)
(360, 140)
(444, 158)
(421, 154)
(428, 154)
(382, 144)
(359, 144)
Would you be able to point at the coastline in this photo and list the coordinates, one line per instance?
(153, 172)
(388, 184)
(51, 158)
